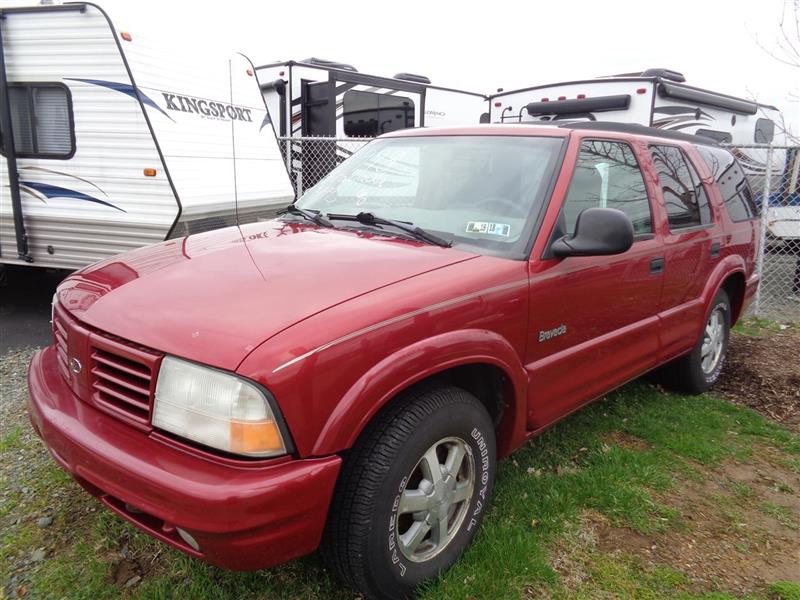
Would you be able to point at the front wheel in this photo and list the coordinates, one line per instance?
(412, 492)
(697, 371)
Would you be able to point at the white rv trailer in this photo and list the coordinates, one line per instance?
(661, 98)
(655, 98)
(321, 98)
(110, 143)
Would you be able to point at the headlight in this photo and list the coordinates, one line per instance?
(53, 304)
(214, 408)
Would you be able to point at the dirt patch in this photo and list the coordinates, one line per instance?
(625, 440)
(764, 374)
(742, 529)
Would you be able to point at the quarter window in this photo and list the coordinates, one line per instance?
(41, 118)
(685, 197)
(607, 175)
(731, 181)
(366, 114)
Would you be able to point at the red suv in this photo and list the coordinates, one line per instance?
(348, 373)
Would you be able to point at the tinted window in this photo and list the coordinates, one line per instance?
(41, 117)
(607, 175)
(684, 196)
(368, 115)
(731, 181)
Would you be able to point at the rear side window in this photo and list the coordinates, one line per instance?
(366, 114)
(685, 197)
(607, 175)
(41, 117)
(731, 181)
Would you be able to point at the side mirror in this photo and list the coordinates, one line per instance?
(598, 232)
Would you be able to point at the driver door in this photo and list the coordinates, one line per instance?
(593, 323)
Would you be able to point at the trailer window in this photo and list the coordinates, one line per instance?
(765, 131)
(685, 197)
(732, 183)
(41, 118)
(366, 114)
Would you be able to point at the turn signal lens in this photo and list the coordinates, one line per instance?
(255, 438)
(149, 172)
(126, 36)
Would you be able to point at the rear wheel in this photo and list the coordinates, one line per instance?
(412, 492)
(697, 371)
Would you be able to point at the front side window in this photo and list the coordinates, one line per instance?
(607, 175)
(685, 197)
(41, 118)
(482, 193)
(366, 114)
(731, 181)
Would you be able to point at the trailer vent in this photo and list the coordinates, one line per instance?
(413, 77)
(329, 64)
(664, 74)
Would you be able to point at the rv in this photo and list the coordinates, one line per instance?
(655, 98)
(661, 98)
(110, 143)
(322, 98)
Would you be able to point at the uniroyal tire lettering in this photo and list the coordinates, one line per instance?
(484, 463)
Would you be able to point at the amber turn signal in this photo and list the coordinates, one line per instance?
(149, 172)
(259, 437)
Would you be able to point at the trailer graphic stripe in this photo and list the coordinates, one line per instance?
(126, 89)
(54, 191)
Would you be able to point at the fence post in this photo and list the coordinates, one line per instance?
(298, 174)
(762, 244)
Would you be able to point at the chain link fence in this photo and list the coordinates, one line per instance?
(309, 159)
(771, 170)
(773, 173)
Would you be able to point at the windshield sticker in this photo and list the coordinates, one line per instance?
(489, 228)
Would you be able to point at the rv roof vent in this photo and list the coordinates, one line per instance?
(664, 74)
(414, 78)
(329, 64)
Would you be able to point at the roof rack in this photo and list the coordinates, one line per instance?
(637, 129)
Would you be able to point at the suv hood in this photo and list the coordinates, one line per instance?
(214, 297)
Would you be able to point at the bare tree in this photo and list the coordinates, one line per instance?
(785, 49)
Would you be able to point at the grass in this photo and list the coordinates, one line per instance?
(542, 491)
(785, 590)
(758, 327)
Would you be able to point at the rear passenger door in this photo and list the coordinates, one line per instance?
(593, 320)
(692, 245)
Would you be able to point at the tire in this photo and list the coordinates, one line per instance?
(384, 496)
(699, 370)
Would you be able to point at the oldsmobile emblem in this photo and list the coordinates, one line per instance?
(75, 365)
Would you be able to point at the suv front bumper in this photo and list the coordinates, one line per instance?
(242, 517)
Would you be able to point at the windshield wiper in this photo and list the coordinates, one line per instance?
(310, 215)
(368, 218)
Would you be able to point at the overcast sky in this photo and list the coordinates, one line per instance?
(482, 46)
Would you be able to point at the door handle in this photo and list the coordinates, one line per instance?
(656, 265)
(715, 247)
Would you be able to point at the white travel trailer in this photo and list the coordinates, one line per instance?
(655, 98)
(661, 98)
(321, 98)
(110, 144)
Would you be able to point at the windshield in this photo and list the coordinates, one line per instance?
(482, 193)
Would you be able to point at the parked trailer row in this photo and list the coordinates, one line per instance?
(111, 143)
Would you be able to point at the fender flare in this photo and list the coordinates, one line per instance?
(401, 369)
(730, 265)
